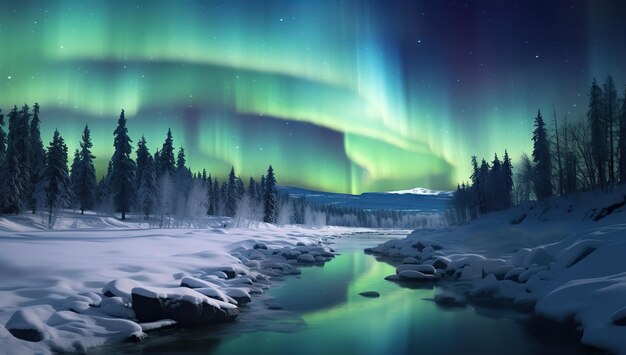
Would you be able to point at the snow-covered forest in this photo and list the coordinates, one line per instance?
(158, 188)
(569, 157)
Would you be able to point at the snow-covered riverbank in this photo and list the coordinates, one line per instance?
(564, 264)
(73, 288)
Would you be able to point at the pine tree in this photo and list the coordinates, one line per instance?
(622, 142)
(252, 192)
(56, 180)
(74, 177)
(496, 184)
(216, 196)
(241, 190)
(123, 169)
(37, 156)
(145, 179)
(261, 192)
(15, 177)
(475, 192)
(183, 175)
(23, 155)
(541, 156)
(231, 194)
(166, 157)
(597, 123)
(209, 197)
(85, 183)
(270, 200)
(507, 174)
(483, 188)
(3, 139)
(610, 113)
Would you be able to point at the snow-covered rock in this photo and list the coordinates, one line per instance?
(26, 325)
(412, 275)
(184, 305)
(425, 269)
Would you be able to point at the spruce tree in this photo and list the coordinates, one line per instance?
(261, 192)
(241, 190)
(483, 188)
(3, 139)
(74, 177)
(231, 194)
(142, 159)
(598, 126)
(15, 177)
(85, 183)
(541, 156)
(507, 176)
(56, 181)
(216, 196)
(209, 197)
(611, 110)
(37, 155)
(270, 200)
(145, 180)
(166, 157)
(23, 154)
(252, 192)
(476, 186)
(123, 169)
(622, 142)
(496, 184)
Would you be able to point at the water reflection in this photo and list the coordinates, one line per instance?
(323, 313)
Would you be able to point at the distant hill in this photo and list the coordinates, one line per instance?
(420, 200)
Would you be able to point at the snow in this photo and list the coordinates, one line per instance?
(558, 263)
(72, 285)
(422, 191)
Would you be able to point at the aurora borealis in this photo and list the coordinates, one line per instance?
(349, 96)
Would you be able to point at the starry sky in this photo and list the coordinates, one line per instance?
(347, 96)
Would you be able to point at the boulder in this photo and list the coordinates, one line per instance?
(290, 254)
(370, 294)
(185, 306)
(412, 275)
(441, 263)
(392, 278)
(425, 269)
(26, 325)
(306, 259)
(409, 260)
(259, 246)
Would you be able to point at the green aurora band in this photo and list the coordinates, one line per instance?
(318, 90)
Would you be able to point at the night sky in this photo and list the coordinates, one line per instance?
(347, 96)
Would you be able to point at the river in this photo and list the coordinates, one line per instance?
(323, 313)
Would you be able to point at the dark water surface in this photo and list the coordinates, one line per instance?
(323, 313)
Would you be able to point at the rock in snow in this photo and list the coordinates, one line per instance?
(186, 306)
(412, 275)
(25, 325)
(425, 269)
(370, 294)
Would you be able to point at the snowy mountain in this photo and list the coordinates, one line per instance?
(422, 191)
(433, 201)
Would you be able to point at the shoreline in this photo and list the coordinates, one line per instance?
(64, 306)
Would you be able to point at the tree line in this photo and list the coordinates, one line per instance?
(159, 186)
(587, 154)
